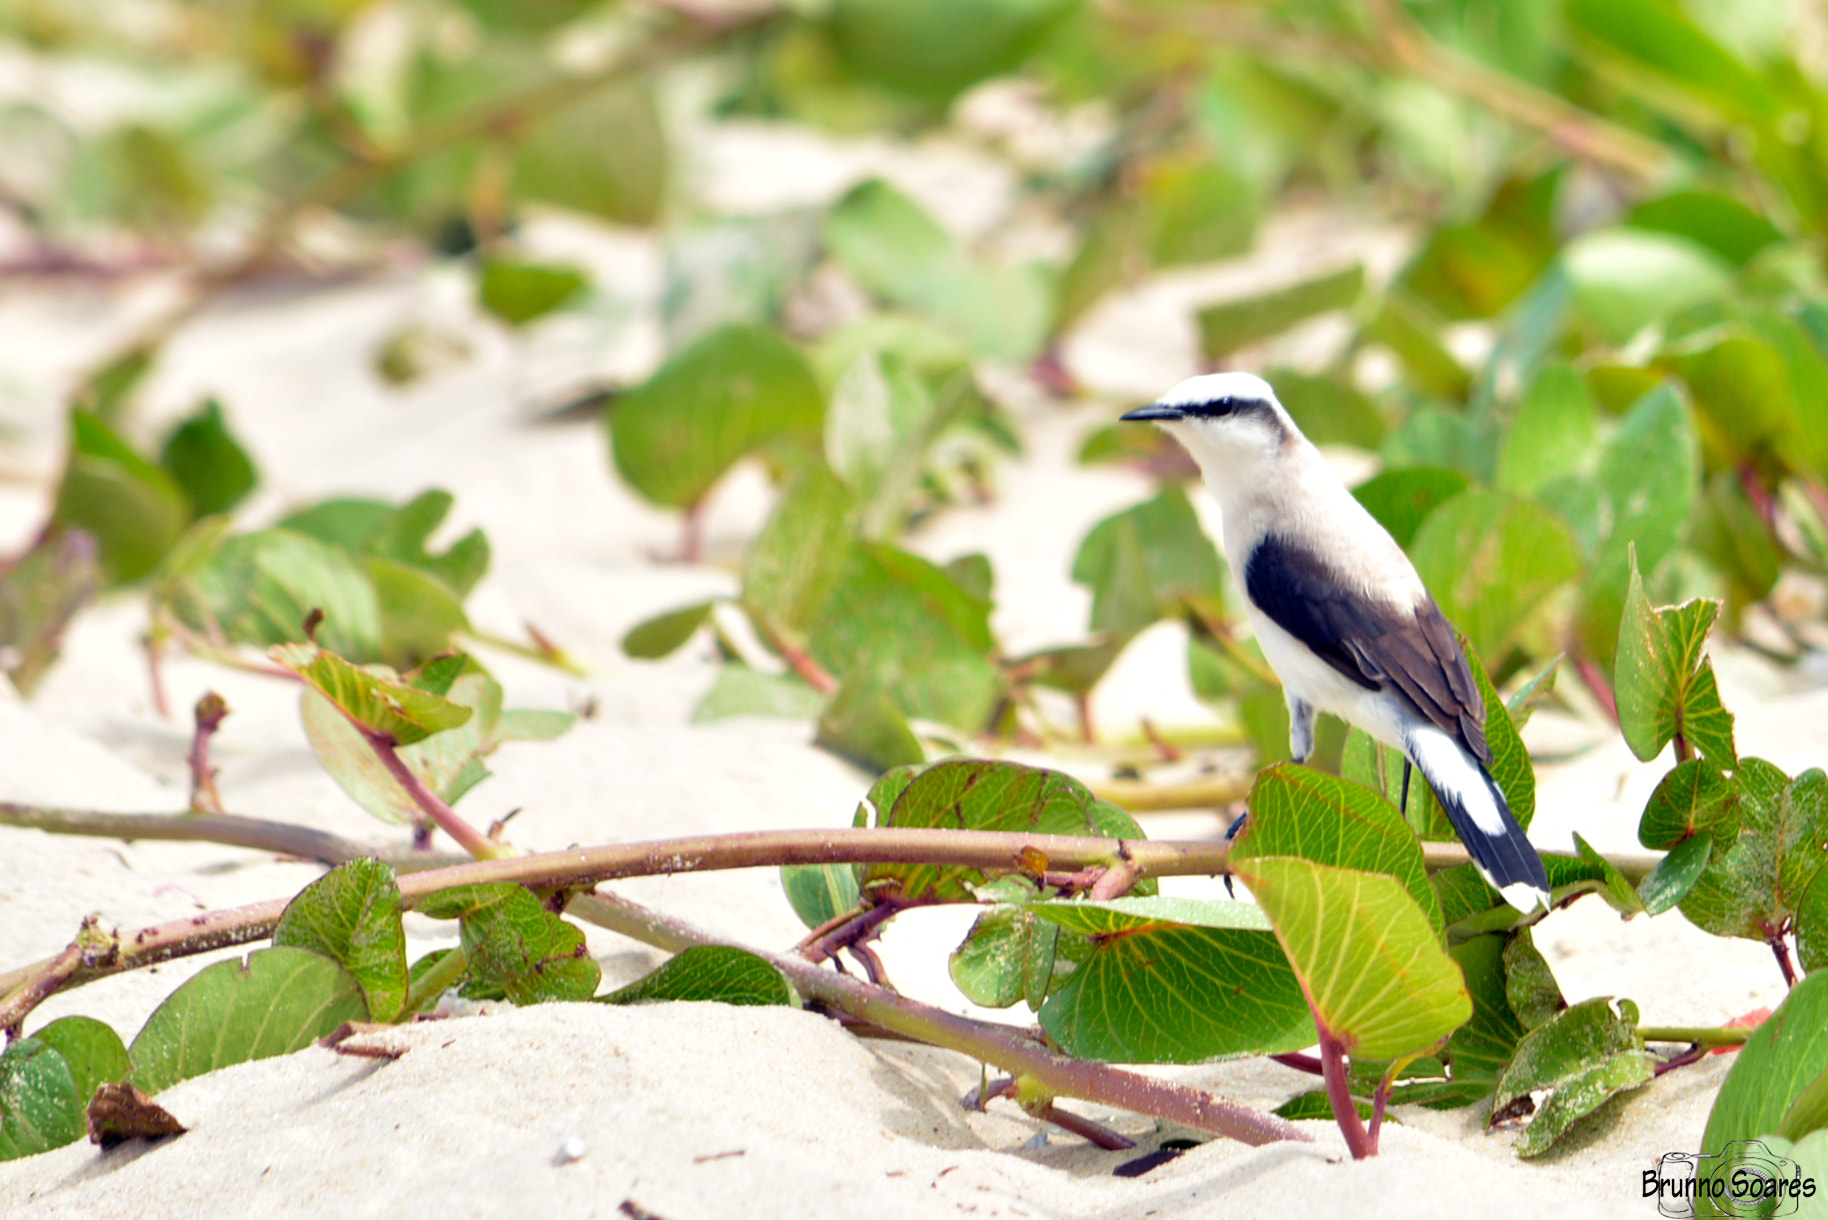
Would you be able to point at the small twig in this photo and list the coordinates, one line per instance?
(798, 659)
(1300, 1062)
(1097, 1134)
(1167, 750)
(280, 838)
(212, 709)
(852, 932)
(1694, 1054)
(872, 965)
(1683, 751)
(1116, 881)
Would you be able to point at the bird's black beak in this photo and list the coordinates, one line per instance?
(1154, 412)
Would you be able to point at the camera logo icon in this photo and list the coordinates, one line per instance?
(1745, 1178)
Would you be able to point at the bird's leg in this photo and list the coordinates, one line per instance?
(1403, 804)
(1300, 728)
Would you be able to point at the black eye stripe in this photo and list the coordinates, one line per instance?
(1228, 405)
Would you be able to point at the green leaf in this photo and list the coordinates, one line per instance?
(1522, 701)
(1477, 270)
(92, 1050)
(898, 252)
(1675, 874)
(1647, 482)
(665, 634)
(258, 588)
(1613, 888)
(1812, 924)
(1316, 1106)
(603, 154)
(1199, 210)
(1579, 1095)
(1329, 410)
(133, 510)
(1625, 279)
(860, 722)
(1586, 1054)
(1556, 427)
(1723, 224)
(1411, 329)
(742, 691)
(1661, 39)
(915, 46)
(1370, 962)
(1480, 1049)
(1402, 499)
(351, 915)
(801, 553)
(515, 943)
(518, 292)
(1296, 811)
(1779, 1063)
(880, 422)
(1809, 1112)
(901, 624)
(401, 534)
(420, 615)
(1147, 562)
(206, 462)
(275, 1002)
(1693, 797)
(346, 523)
(1490, 560)
(1665, 686)
(448, 762)
(718, 974)
(982, 795)
(1173, 981)
(1529, 985)
(1226, 327)
(819, 893)
(41, 1106)
(374, 698)
(720, 399)
(1007, 956)
(1757, 887)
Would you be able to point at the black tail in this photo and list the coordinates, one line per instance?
(1482, 818)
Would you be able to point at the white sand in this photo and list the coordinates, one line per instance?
(684, 1110)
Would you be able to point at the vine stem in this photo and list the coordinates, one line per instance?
(1007, 1049)
(581, 866)
(1704, 1034)
(233, 830)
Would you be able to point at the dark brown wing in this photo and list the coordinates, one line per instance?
(1410, 651)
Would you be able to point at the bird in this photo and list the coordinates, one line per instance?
(1342, 616)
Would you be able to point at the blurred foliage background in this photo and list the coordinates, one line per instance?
(1610, 329)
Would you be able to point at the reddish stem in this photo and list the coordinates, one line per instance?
(1782, 952)
(466, 835)
(1596, 683)
(1339, 1093)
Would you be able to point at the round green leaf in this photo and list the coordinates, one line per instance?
(721, 398)
(1369, 961)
